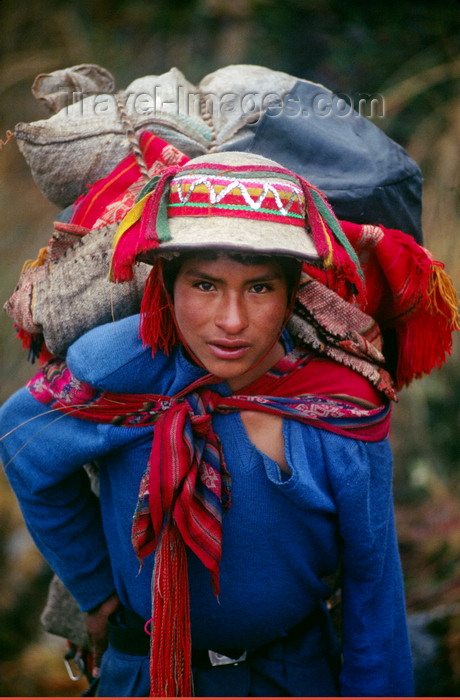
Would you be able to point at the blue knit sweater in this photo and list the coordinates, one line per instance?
(281, 537)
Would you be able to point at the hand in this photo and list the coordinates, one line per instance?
(96, 627)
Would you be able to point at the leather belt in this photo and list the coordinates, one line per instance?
(127, 635)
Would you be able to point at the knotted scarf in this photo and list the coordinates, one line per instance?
(186, 487)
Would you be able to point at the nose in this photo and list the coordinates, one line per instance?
(231, 314)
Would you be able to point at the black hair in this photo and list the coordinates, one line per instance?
(291, 267)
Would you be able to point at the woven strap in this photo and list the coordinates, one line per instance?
(132, 137)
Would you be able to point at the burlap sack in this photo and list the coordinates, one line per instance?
(85, 139)
(62, 615)
(238, 96)
(59, 89)
(69, 293)
(76, 294)
(20, 303)
(367, 177)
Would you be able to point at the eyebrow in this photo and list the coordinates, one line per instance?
(196, 272)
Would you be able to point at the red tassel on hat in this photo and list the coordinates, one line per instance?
(157, 327)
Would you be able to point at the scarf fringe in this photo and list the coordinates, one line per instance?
(171, 648)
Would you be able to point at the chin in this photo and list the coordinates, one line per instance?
(226, 373)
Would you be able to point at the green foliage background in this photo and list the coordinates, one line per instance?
(410, 53)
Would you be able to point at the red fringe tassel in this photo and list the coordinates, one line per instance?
(171, 649)
(425, 338)
(157, 327)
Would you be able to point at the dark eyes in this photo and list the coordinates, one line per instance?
(204, 285)
(261, 287)
(258, 288)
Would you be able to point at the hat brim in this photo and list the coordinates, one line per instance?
(233, 233)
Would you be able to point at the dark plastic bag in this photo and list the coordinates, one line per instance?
(367, 177)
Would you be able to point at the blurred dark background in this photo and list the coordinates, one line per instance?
(408, 52)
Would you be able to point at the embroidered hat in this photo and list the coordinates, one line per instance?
(201, 204)
(234, 201)
(207, 199)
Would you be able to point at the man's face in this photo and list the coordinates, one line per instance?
(230, 315)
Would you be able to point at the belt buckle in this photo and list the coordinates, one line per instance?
(217, 659)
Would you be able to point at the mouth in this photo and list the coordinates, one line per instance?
(228, 349)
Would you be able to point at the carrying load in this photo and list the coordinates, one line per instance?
(95, 154)
(106, 157)
(367, 177)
